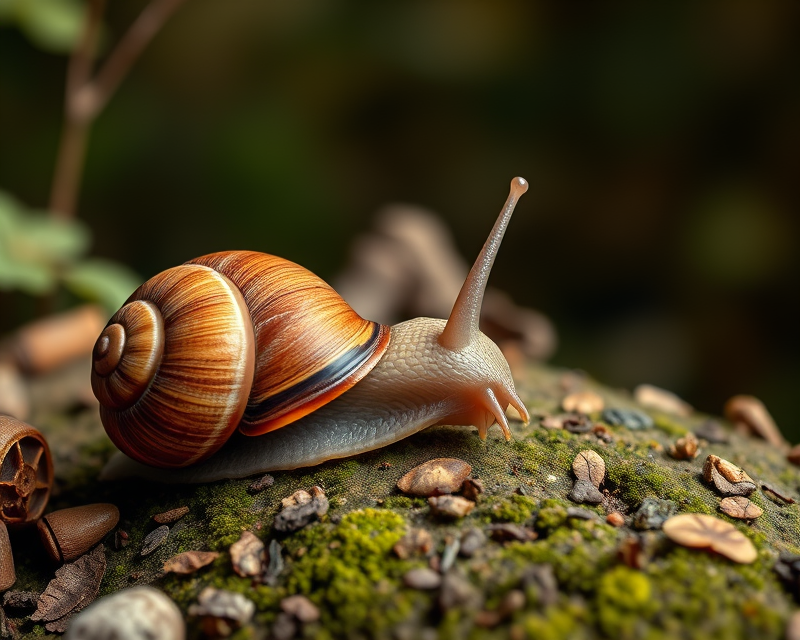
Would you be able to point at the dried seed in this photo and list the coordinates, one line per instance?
(450, 506)
(661, 400)
(130, 614)
(701, 531)
(422, 578)
(262, 483)
(153, 539)
(590, 467)
(750, 414)
(472, 488)
(7, 574)
(584, 402)
(415, 542)
(189, 561)
(170, 516)
(471, 540)
(740, 507)
(300, 514)
(301, 608)
(653, 512)
(629, 418)
(435, 477)
(585, 492)
(615, 519)
(248, 555)
(67, 534)
(685, 448)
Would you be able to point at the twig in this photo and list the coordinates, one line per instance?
(86, 97)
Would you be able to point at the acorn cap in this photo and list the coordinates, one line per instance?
(69, 533)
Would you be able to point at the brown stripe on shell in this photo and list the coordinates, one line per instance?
(200, 387)
(304, 331)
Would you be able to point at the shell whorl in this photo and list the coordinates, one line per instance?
(174, 367)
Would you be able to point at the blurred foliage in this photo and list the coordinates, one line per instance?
(37, 253)
(52, 25)
(660, 140)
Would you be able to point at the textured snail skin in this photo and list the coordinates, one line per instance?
(417, 384)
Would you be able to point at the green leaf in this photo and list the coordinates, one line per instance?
(53, 25)
(103, 281)
(30, 278)
(44, 240)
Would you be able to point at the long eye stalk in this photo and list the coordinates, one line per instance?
(462, 325)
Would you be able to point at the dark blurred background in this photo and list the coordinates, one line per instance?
(661, 141)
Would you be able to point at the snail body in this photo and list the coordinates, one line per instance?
(337, 387)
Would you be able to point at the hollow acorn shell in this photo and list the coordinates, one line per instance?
(26, 472)
(231, 338)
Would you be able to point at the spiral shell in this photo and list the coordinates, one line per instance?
(232, 338)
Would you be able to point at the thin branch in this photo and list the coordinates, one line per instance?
(86, 97)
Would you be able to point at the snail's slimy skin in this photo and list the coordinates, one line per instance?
(417, 384)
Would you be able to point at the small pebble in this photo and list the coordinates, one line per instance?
(301, 608)
(551, 478)
(248, 555)
(136, 613)
(458, 592)
(713, 432)
(450, 506)
(415, 542)
(284, 627)
(189, 561)
(581, 514)
(262, 483)
(435, 477)
(539, 581)
(653, 512)
(629, 418)
(171, 516)
(218, 603)
(740, 507)
(299, 497)
(661, 400)
(508, 532)
(276, 564)
(584, 402)
(578, 423)
(154, 539)
(301, 512)
(585, 492)
(615, 519)
(422, 578)
(471, 540)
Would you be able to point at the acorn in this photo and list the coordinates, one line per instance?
(7, 575)
(69, 533)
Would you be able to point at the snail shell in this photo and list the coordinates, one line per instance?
(236, 338)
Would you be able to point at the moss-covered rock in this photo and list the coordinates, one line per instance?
(345, 563)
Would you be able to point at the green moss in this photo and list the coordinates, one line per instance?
(516, 508)
(624, 597)
(557, 623)
(228, 512)
(403, 502)
(552, 514)
(669, 425)
(350, 573)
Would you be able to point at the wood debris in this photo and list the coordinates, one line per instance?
(173, 515)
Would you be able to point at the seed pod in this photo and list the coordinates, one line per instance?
(26, 472)
(7, 575)
(69, 533)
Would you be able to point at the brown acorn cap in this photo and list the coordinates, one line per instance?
(69, 533)
(7, 575)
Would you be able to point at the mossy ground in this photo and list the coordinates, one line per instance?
(346, 566)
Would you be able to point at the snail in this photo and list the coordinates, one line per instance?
(249, 340)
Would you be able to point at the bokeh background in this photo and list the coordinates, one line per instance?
(661, 141)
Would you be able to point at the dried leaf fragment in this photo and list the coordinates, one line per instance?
(172, 515)
(590, 467)
(740, 507)
(701, 531)
(75, 586)
(729, 479)
(584, 402)
(248, 555)
(436, 477)
(153, 539)
(189, 561)
(662, 400)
